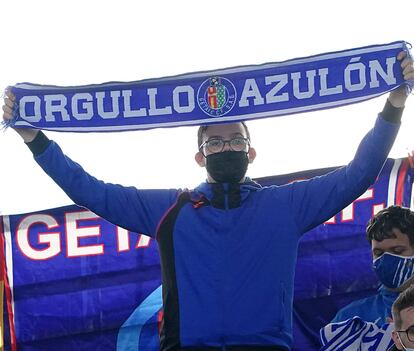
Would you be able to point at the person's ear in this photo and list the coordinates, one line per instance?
(396, 340)
(251, 154)
(200, 159)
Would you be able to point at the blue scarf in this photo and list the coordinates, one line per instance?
(226, 95)
(356, 335)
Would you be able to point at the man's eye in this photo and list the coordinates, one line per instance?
(215, 142)
(410, 331)
(237, 141)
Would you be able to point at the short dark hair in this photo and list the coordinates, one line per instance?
(381, 226)
(403, 301)
(203, 129)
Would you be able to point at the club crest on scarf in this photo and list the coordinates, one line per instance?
(216, 96)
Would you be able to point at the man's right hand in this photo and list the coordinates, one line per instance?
(28, 134)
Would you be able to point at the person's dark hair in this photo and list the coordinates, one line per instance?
(381, 226)
(403, 301)
(203, 129)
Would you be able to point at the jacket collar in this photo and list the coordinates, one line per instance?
(388, 296)
(227, 195)
(387, 292)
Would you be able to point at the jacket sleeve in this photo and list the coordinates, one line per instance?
(130, 208)
(318, 199)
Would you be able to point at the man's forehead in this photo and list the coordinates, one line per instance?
(225, 130)
(407, 316)
(399, 239)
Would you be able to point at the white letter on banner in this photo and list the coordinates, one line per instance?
(51, 239)
(141, 112)
(348, 212)
(36, 107)
(310, 75)
(73, 233)
(87, 105)
(61, 107)
(153, 110)
(123, 239)
(281, 80)
(376, 68)
(250, 89)
(143, 241)
(115, 106)
(355, 66)
(324, 91)
(186, 89)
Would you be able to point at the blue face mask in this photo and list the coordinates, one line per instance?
(393, 270)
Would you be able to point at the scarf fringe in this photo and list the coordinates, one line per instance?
(10, 123)
(409, 84)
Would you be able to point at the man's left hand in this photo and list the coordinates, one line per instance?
(398, 96)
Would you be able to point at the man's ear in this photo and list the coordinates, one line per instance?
(251, 154)
(200, 159)
(396, 340)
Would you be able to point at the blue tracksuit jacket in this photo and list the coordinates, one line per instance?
(228, 252)
(373, 309)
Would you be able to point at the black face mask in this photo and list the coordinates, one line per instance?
(227, 166)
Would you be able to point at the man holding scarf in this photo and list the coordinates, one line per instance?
(228, 248)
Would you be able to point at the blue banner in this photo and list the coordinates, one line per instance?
(233, 94)
(76, 282)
